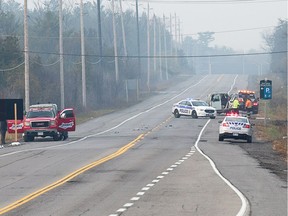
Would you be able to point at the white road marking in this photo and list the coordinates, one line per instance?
(245, 209)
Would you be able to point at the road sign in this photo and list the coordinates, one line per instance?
(265, 89)
(7, 109)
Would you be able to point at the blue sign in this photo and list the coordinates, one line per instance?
(266, 89)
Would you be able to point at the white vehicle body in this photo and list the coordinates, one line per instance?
(194, 108)
(235, 127)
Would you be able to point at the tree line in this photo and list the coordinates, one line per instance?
(166, 53)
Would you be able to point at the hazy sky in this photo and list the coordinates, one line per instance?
(238, 24)
(225, 17)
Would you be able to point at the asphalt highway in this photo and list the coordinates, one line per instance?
(142, 161)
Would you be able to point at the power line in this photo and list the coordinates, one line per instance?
(235, 30)
(211, 2)
(183, 56)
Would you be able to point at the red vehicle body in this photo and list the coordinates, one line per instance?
(43, 120)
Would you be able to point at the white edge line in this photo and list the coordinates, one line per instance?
(244, 210)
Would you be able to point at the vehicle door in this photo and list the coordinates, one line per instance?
(66, 120)
(11, 126)
(216, 101)
(183, 109)
(189, 108)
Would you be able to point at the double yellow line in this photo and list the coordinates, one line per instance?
(69, 177)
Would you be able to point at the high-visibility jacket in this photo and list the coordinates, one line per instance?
(248, 103)
(235, 104)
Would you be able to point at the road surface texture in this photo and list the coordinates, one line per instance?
(142, 161)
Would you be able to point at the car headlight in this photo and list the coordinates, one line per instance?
(27, 123)
(52, 123)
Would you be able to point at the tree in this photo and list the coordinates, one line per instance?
(277, 43)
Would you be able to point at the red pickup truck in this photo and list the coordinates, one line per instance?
(43, 120)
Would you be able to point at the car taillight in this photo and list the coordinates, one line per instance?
(255, 104)
(246, 126)
(224, 124)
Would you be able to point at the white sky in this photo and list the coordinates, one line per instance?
(217, 16)
(224, 16)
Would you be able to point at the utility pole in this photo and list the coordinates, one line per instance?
(61, 55)
(171, 32)
(123, 29)
(26, 54)
(160, 51)
(148, 50)
(165, 48)
(84, 101)
(138, 41)
(115, 43)
(154, 31)
(100, 77)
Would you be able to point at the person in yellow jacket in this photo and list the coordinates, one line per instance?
(235, 104)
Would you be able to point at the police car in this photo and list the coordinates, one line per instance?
(194, 108)
(235, 127)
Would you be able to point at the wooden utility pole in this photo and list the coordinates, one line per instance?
(115, 43)
(61, 55)
(84, 101)
(123, 30)
(165, 48)
(26, 55)
(148, 50)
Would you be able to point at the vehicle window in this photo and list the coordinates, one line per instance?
(188, 104)
(199, 103)
(182, 103)
(69, 114)
(40, 113)
(233, 119)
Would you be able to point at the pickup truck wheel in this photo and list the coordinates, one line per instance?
(28, 138)
(25, 138)
(56, 137)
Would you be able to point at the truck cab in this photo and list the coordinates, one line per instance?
(43, 120)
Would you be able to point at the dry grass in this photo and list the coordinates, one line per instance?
(275, 130)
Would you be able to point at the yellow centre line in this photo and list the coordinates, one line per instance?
(69, 177)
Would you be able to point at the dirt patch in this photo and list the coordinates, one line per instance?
(270, 152)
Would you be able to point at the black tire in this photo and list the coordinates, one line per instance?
(28, 138)
(65, 135)
(221, 138)
(194, 114)
(249, 139)
(25, 138)
(176, 114)
(56, 137)
(212, 117)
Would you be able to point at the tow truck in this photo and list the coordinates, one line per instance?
(44, 120)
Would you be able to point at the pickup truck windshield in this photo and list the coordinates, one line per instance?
(40, 113)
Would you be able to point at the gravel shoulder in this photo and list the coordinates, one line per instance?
(268, 158)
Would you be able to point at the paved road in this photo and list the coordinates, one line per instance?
(141, 161)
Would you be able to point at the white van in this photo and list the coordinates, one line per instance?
(218, 101)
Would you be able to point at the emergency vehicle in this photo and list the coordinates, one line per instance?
(193, 108)
(44, 120)
(235, 127)
(242, 95)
